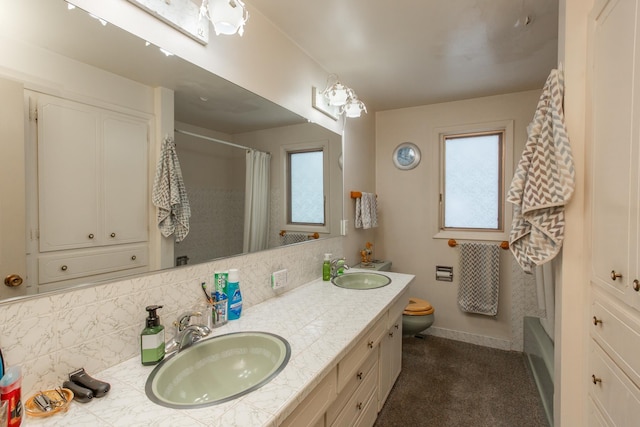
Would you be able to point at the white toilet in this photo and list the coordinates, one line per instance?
(417, 316)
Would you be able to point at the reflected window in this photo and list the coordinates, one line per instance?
(473, 181)
(306, 200)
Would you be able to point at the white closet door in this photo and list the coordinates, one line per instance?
(68, 171)
(613, 73)
(125, 185)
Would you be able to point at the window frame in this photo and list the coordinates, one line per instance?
(301, 148)
(505, 127)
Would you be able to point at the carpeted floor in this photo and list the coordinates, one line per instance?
(447, 383)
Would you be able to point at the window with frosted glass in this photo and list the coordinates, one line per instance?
(472, 197)
(306, 187)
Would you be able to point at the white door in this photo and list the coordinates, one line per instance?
(12, 190)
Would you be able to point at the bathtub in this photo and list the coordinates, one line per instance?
(538, 349)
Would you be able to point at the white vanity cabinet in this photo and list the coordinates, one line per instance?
(391, 352)
(357, 383)
(93, 190)
(613, 377)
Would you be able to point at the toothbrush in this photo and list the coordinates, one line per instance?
(206, 294)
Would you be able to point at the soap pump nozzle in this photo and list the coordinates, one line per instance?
(153, 319)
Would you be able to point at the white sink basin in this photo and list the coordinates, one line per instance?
(218, 369)
(364, 280)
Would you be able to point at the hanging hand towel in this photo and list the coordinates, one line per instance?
(366, 211)
(543, 182)
(170, 195)
(479, 278)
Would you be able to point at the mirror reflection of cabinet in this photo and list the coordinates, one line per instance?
(92, 186)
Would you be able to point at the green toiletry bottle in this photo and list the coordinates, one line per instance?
(326, 268)
(152, 338)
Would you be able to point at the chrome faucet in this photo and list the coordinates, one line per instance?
(186, 334)
(336, 266)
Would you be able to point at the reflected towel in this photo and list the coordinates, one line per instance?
(543, 182)
(170, 195)
(366, 211)
(479, 278)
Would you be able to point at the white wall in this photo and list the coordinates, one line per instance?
(408, 203)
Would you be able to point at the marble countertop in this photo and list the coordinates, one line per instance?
(320, 321)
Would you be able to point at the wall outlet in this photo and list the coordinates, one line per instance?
(279, 279)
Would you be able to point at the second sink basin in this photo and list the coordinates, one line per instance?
(364, 280)
(218, 369)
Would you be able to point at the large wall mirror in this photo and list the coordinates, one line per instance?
(207, 109)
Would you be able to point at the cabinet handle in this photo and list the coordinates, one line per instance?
(133, 258)
(615, 275)
(63, 268)
(391, 334)
(359, 406)
(359, 375)
(91, 236)
(397, 326)
(370, 344)
(113, 234)
(596, 321)
(636, 285)
(595, 379)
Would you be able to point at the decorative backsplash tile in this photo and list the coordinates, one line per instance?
(98, 327)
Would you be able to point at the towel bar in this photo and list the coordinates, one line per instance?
(452, 242)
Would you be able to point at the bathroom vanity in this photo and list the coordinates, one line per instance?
(345, 356)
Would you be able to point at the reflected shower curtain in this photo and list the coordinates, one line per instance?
(256, 201)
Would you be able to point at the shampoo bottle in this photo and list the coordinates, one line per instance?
(326, 268)
(235, 297)
(152, 338)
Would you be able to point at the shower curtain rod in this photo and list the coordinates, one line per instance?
(208, 138)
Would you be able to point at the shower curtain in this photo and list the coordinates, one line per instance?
(256, 202)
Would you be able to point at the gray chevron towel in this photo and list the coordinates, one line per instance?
(543, 182)
(479, 278)
(170, 194)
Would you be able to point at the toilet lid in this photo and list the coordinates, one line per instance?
(418, 307)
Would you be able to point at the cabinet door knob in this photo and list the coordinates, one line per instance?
(13, 280)
(397, 326)
(64, 268)
(359, 375)
(90, 235)
(113, 234)
(370, 344)
(133, 258)
(636, 285)
(391, 334)
(359, 406)
(595, 379)
(596, 321)
(615, 275)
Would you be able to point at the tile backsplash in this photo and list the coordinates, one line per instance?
(99, 326)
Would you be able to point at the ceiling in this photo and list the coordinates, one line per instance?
(403, 53)
(394, 54)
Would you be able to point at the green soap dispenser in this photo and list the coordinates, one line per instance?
(152, 338)
(326, 268)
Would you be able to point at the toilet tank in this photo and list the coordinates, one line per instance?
(376, 265)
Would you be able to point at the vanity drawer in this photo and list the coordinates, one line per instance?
(362, 350)
(618, 333)
(89, 262)
(356, 381)
(358, 402)
(310, 412)
(614, 394)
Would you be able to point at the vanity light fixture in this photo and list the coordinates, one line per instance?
(227, 16)
(354, 107)
(342, 98)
